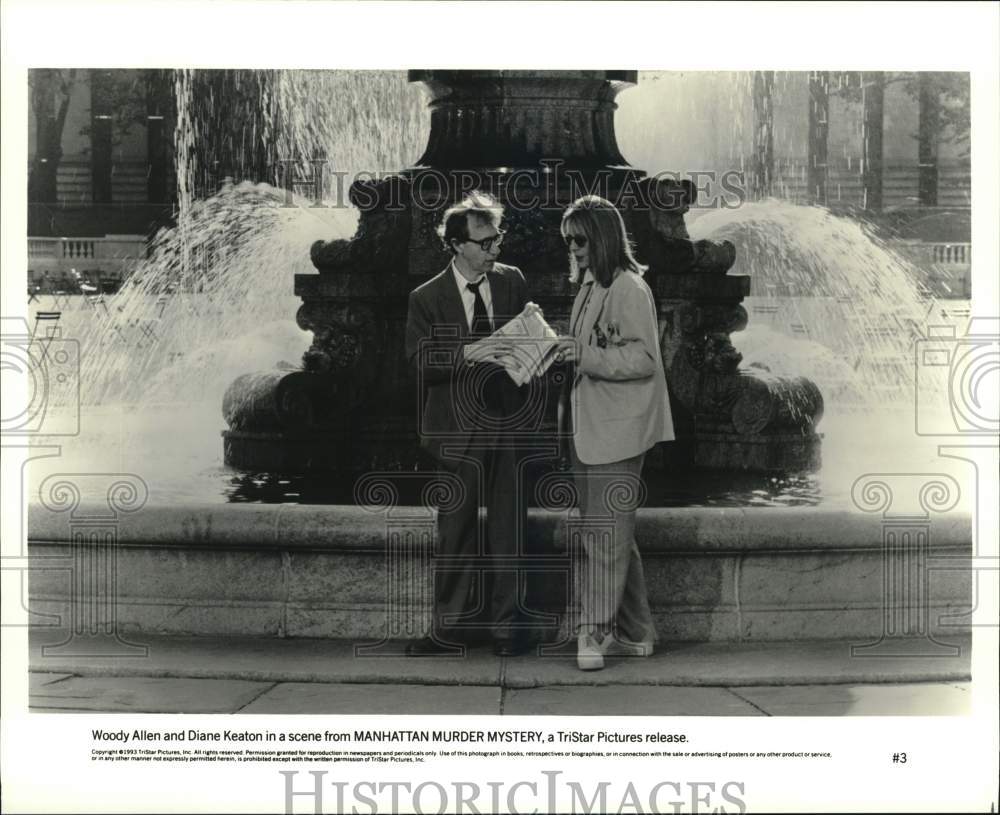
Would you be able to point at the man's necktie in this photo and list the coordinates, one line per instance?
(490, 394)
(481, 323)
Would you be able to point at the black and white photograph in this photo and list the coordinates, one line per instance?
(424, 428)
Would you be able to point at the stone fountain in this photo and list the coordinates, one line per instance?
(536, 140)
(361, 569)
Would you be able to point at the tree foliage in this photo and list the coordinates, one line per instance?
(49, 90)
(949, 98)
(128, 97)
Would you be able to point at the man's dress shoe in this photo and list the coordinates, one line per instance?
(510, 647)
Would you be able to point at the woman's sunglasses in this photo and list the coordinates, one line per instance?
(579, 240)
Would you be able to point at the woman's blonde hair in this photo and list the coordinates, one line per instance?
(607, 239)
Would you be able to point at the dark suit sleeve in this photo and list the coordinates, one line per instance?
(517, 295)
(433, 359)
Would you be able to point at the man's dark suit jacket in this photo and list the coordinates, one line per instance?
(450, 390)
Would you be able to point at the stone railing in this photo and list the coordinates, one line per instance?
(113, 255)
(112, 247)
(950, 254)
(947, 266)
(60, 248)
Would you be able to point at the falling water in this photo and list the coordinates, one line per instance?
(686, 121)
(833, 302)
(361, 121)
(848, 307)
(214, 299)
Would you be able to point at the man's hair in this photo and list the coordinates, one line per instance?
(455, 222)
(607, 240)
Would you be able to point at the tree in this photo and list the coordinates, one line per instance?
(121, 100)
(949, 121)
(951, 116)
(126, 96)
(49, 91)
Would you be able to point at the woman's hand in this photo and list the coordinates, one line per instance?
(568, 349)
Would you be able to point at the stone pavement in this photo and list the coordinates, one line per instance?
(301, 676)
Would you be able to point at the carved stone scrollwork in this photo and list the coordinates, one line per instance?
(713, 257)
(752, 403)
(767, 403)
(703, 318)
(380, 242)
(714, 353)
(331, 255)
(334, 349)
(280, 400)
(341, 337)
(706, 346)
(668, 246)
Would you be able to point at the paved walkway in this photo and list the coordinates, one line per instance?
(298, 676)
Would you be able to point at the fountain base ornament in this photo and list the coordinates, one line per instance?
(536, 141)
(728, 416)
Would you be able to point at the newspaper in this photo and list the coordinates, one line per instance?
(534, 344)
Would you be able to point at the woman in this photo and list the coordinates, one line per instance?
(619, 409)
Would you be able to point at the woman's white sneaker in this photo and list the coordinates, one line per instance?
(589, 656)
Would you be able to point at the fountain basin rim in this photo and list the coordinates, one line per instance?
(671, 530)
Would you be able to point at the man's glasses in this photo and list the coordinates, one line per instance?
(486, 244)
(579, 240)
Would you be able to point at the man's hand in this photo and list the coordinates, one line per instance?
(486, 351)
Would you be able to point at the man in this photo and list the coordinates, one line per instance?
(468, 416)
